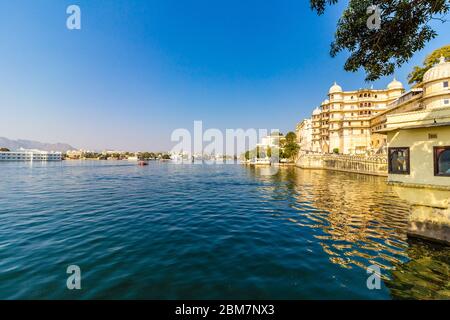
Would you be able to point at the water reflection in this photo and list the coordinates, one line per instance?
(360, 221)
(425, 276)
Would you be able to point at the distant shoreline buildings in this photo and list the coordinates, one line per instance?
(30, 155)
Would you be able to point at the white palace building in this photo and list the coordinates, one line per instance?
(30, 155)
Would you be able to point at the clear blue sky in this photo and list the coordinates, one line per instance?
(137, 70)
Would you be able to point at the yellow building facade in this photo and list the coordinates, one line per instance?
(342, 124)
(418, 131)
(418, 136)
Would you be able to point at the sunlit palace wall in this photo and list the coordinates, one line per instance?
(342, 123)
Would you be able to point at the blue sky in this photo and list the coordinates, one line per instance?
(137, 70)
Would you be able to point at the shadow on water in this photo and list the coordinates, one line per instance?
(359, 221)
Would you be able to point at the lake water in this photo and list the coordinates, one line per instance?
(193, 231)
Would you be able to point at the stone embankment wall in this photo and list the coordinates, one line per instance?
(373, 165)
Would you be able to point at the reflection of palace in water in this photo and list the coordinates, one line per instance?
(359, 221)
(425, 276)
(359, 217)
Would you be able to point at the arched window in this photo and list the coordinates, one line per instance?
(442, 161)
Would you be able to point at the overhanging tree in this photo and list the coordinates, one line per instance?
(416, 76)
(291, 148)
(405, 29)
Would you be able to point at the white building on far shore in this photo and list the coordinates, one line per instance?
(30, 155)
(304, 132)
(274, 140)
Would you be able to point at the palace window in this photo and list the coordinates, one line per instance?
(442, 161)
(446, 101)
(445, 84)
(399, 161)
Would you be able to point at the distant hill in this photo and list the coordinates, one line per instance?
(28, 144)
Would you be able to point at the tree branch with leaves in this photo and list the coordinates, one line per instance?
(405, 29)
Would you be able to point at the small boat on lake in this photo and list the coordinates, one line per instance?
(142, 163)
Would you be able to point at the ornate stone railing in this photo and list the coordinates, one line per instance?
(374, 165)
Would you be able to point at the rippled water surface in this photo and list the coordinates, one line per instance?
(171, 231)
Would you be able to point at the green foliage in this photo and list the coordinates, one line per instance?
(416, 76)
(165, 156)
(290, 150)
(258, 152)
(4, 150)
(247, 155)
(92, 155)
(146, 155)
(291, 137)
(405, 29)
(336, 150)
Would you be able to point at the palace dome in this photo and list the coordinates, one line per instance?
(335, 88)
(395, 84)
(439, 71)
(316, 111)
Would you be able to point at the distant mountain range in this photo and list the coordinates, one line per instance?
(28, 144)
